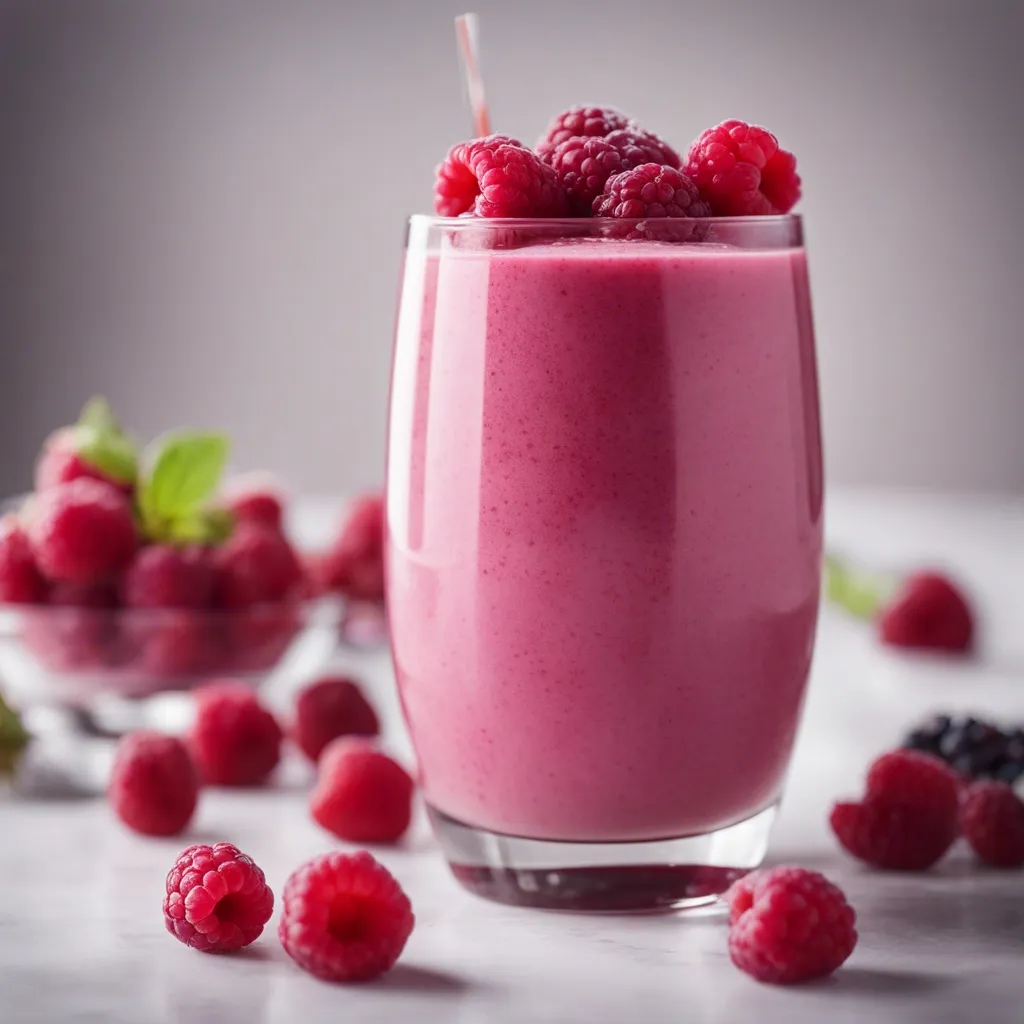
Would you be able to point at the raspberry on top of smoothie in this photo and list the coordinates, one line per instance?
(578, 169)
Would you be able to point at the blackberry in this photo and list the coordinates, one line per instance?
(928, 736)
(976, 748)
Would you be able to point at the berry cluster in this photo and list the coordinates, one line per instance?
(916, 806)
(361, 793)
(343, 916)
(597, 161)
(975, 748)
(154, 573)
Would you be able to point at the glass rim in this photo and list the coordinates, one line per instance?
(471, 223)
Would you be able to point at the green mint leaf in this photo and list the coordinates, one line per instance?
(185, 471)
(97, 414)
(13, 738)
(112, 453)
(860, 594)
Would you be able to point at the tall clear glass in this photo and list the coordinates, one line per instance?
(604, 520)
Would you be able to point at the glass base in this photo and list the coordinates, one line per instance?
(665, 874)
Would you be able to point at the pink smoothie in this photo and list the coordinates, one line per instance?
(604, 513)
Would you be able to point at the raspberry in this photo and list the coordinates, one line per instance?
(256, 565)
(234, 739)
(788, 925)
(650, 190)
(60, 462)
(162, 576)
(217, 898)
(496, 177)
(916, 779)
(583, 165)
(355, 563)
(642, 147)
(82, 531)
(256, 500)
(992, 818)
(257, 638)
(361, 794)
(78, 631)
(84, 595)
(331, 707)
(891, 836)
(316, 568)
(344, 917)
(929, 612)
(594, 122)
(20, 580)
(908, 818)
(153, 784)
(740, 170)
(168, 642)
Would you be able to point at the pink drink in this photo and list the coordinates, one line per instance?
(604, 512)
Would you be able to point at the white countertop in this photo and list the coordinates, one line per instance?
(82, 936)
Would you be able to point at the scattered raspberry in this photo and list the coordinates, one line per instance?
(355, 563)
(650, 190)
(789, 925)
(217, 898)
(234, 739)
(596, 122)
(992, 818)
(496, 177)
(908, 818)
(637, 147)
(331, 707)
(256, 500)
(929, 612)
(153, 784)
(60, 462)
(344, 917)
(162, 576)
(914, 778)
(583, 165)
(82, 531)
(361, 794)
(740, 170)
(892, 836)
(256, 565)
(20, 580)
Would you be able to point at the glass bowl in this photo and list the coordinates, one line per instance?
(72, 657)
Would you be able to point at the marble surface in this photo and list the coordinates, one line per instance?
(82, 940)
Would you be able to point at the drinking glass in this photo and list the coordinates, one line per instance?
(604, 530)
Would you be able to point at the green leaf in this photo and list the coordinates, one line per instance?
(13, 738)
(186, 468)
(100, 441)
(859, 593)
(97, 414)
(114, 454)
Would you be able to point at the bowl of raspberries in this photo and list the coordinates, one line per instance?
(131, 572)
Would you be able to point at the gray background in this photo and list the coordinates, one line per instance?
(201, 205)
